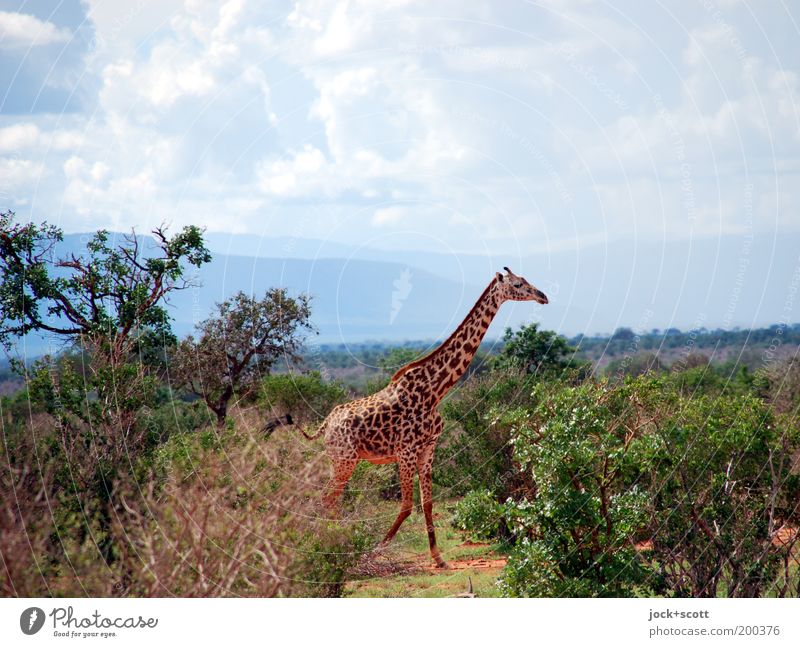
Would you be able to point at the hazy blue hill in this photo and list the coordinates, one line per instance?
(713, 282)
(352, 300)
(709, 283)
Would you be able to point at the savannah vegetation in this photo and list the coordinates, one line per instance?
(133, 463)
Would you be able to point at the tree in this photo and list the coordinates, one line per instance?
(307, 397)
(640, 490)
(586, 449)
(111, 298)
(634, 365)
(238, 344)
(534, 350)
(108, 303)
(398, 357)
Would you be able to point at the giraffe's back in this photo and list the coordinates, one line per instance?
(376, 428)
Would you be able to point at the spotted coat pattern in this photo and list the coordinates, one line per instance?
(400, 424)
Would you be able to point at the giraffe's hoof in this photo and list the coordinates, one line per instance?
(440, 563)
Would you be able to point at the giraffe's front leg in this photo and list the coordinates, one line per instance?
(425, 467)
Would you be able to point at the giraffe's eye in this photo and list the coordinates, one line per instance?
(517, 285)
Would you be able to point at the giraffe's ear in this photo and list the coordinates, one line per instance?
(499, 277)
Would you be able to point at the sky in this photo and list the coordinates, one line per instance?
(480, 127)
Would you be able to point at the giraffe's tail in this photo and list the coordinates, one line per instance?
(320, 431)
(282, 421)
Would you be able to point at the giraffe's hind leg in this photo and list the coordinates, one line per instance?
(425, 467)
(406, 467)
(342, 471)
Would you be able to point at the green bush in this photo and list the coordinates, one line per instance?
(585, 449)
(327, 556)
(174, 417)
(538, 351)
(639, 490)
(372, 483)
(480, 515)
(474, 452)
(722, 487)
(307, 397)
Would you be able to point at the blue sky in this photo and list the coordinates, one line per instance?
(467, 127)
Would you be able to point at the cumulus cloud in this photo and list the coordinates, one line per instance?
(20, 30)
(547, 123)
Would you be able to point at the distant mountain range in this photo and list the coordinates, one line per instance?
(373, 294)
(722, 282)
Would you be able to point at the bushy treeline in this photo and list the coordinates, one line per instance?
(674, 483)
(135, 465)
(729, 349)
(751, 347)
(202, 512)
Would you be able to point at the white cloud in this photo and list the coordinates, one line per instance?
(304, 170)
(20, 30)
(532, 122)
(19, 173)
(388, 216)
(29, 137)
(22, 136)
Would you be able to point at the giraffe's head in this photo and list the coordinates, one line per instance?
(515, 288)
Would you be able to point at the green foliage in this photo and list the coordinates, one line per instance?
(536, 351)
(474, 451)
(703, 483)
(109, 302)
(373, 483)
(398, 357)
(307, 396)
(479, 514)
(585, 449)
(723, 484)
(110, 295)
(239, 344)
(173, 417)
(740, 343)
(328, 555)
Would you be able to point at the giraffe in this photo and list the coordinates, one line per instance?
(400, 424)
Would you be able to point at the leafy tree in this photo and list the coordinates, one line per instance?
(634, 365)
(533, 351)
(307, 397)
(238, 345)
(112, 298)
(398, 357)
(584, 448)
(108, 303)
(475, 452)
(723, 490)
(640, 490)
(623, 334)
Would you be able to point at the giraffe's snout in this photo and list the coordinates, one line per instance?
(541, 297)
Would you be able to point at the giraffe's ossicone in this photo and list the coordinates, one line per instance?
(400, 424)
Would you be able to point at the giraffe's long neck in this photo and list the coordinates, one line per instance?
(441, 369)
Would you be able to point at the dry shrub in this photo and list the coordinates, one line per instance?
(51, 538)
(216, 514)
(244, 522)
(783, 391)
(25, 526)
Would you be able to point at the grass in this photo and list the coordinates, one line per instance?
(416, 576)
